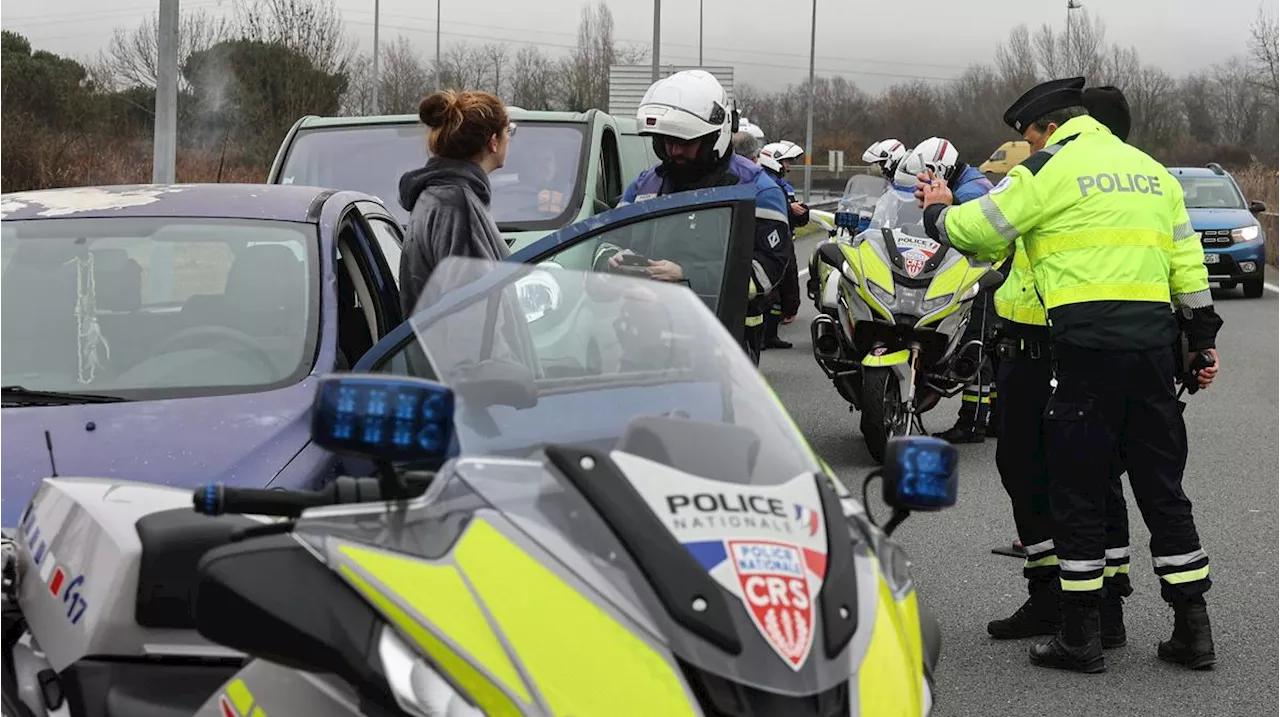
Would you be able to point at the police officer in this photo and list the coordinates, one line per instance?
(1024, 375)
(776, 158)
(1110, 247)
(689, 118)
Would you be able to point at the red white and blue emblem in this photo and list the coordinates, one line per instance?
(808, 518)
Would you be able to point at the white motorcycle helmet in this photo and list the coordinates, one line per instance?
(688, 105)
(886, 153)
(772, 155)
(745, 125)
(936, 154)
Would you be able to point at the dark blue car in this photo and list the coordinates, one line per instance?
(1228, 225)
(175, 334)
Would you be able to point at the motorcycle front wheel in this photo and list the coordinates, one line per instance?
(881, 409)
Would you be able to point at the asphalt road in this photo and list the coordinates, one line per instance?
(1231, 478)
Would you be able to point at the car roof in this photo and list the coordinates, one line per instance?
(280, 202)
(517, 115)
(1197, 172)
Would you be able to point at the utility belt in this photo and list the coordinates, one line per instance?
(1012, 348)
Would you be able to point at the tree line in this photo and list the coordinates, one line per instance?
(246, 78)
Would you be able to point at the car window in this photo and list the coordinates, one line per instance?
(1210, 193)
(157, 307)
(390, 242)
(998, 156)
(537, 188)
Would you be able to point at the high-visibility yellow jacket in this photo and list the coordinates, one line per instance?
(1106, 236)
(1016, 299)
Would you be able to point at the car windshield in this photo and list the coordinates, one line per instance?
(1210, 193)
(144, 308)
(550, 355)
(537, 189)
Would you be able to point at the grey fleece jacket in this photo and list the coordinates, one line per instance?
(448, 205)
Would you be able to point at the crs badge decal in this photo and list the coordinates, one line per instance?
(775, 588)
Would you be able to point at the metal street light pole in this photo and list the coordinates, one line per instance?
(808, 132)
(1071, 5)
(699, 33)
(437, 44)
(376, 81)
(164, 159)
(657, 35)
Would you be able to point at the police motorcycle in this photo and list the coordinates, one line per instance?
(893, 306)
(852, 215)
(646, 534)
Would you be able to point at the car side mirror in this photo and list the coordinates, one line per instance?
(1257, 207)
(829, 253)
(920, 474)
(396, 419)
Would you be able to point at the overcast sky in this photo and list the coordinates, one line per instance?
(868, 42)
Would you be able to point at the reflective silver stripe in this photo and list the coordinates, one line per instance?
(1081, 566)
(1052, 149)
(623, 203)
(941, 225)
(1183, 231)
(995, 217)
(1195, 300)
(1039, 548)
(762, 213)
(762, 282)
(1169, 561)
(1117, 553)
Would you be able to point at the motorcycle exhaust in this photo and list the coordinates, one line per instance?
(968, 361)
(826, 336)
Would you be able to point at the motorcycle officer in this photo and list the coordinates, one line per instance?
(940, 156)
(885, 154)
(689, 118)
(776, 158)
(1112, 330)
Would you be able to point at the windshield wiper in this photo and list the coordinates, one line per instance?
(21, 396)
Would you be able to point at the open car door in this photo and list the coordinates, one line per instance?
(709, 233)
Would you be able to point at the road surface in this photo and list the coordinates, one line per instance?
(1231, 478)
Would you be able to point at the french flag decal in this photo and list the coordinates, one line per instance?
(808, 518)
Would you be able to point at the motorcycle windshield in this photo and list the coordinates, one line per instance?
(648, 376)
(861, 193)
(898, 209)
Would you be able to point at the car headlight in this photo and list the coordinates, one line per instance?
(1244, 234)
(539, 292)
(418, 689)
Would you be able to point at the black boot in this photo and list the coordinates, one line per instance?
(1078, 645)
(1112, 612)
(1192, 642)
(771, 339)
(964, 432)
(1041, 614)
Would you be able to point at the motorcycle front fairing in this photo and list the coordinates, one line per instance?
(644, 562)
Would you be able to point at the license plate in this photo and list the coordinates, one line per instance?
(1211, 258)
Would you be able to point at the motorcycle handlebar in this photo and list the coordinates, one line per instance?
(217, 499)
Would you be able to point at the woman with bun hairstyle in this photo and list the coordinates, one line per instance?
(448, 199)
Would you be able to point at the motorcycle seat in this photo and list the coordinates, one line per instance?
(173, 542)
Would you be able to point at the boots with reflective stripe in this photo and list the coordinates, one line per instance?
(1192, 642)
(1078, 645)
(1041, 614)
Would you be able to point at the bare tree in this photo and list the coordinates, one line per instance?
(1016, 61)
(312, 28)
(496, 57)
(533, 79)
(357, 101)
(1076, 50)
(1263, 38)
(403, 78)
(462, 67)
(131, 56)
(586, 71)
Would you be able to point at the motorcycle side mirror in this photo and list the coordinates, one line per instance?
(831, 255)
(920, 474)
(990, 280)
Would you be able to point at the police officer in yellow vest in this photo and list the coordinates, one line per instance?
(1110, 248)
(1024, 374)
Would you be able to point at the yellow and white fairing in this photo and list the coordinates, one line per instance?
(874, 288)
(523, 593)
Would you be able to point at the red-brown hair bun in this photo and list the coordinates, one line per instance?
(460, 124)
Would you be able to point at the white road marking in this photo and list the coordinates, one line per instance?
(1268, 287)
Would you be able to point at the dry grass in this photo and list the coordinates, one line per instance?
(1261, 183)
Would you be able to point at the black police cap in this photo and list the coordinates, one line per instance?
(1042, 99)
(1108, 105)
